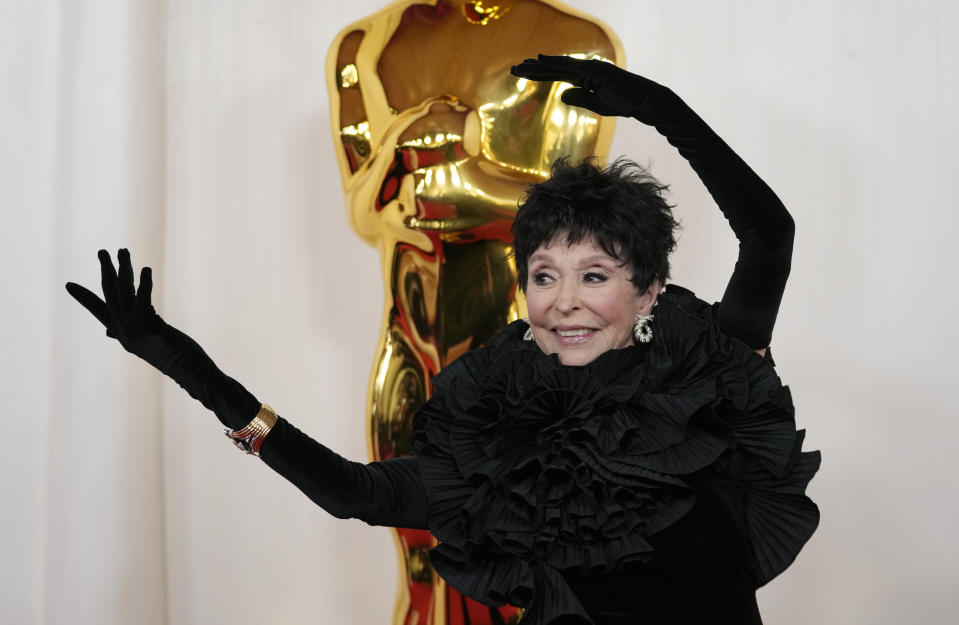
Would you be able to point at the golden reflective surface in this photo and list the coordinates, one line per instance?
(436, 144)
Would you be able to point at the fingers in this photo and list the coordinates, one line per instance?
(90, 301)
(561, 62)
(108, 280)
(532, 70)
(119, 299)
(587, 100)
(565, 69)
(125, 279)
(580, 97)
(144, 292)
(555, 68)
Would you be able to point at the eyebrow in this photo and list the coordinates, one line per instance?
(589, 261)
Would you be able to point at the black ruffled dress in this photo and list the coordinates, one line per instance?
(661, 483)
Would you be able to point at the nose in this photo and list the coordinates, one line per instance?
(567, 296)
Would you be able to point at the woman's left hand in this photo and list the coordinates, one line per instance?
(599, 86)
(762, 224)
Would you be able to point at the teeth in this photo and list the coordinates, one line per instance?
(579, 332)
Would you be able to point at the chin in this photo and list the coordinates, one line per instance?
(574, 358)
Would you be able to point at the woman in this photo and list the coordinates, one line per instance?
(622, 456)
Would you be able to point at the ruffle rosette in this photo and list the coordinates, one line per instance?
(533, 467)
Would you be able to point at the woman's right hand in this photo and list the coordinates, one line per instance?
(126, 313)
(128, 316)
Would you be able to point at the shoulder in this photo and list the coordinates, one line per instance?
(506, 346)
(683, 306)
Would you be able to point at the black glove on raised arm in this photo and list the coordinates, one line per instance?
(380, 493)
(130, 318)
(762, 224)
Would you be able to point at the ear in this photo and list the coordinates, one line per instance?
(648, 298)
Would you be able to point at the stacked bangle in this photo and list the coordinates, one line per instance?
(250, 438)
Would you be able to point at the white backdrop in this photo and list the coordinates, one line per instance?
(197, 134)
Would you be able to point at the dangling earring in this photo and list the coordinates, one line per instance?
(528, 335)
(641, 329)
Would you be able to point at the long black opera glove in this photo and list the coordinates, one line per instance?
(130, 318)
(387, 492)
(380, 493)
(762, 224)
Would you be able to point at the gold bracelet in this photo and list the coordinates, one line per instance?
(250, 438)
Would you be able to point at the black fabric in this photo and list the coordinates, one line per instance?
(389, 492)
(606, 494)
(544, 480)
(696, 575)
(762, 224)
(385, 493)
(129, 317)
(662, 483)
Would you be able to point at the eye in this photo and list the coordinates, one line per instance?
(541, 278)
(594, 277)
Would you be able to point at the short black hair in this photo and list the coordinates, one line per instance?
(620, 208)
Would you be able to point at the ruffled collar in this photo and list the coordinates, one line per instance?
(533, 467)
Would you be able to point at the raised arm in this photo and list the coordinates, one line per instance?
(380, 493)
(762, 224)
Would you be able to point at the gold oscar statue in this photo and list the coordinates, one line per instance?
(437, 142)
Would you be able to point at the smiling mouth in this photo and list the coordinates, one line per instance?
(576, 332)
(576, 336)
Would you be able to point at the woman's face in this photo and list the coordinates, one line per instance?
(581, 301)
